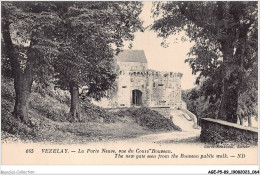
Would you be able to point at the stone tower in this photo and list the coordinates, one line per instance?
(140, 86)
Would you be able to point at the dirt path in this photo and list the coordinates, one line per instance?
(169, 137)
(184, 138)
(187, 136)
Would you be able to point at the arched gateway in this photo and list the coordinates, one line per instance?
(137, 97)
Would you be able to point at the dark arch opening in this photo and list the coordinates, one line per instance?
(137, 97)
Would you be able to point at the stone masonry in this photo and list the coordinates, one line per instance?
(140, 86)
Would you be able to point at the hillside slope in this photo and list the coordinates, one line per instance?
(48, 113)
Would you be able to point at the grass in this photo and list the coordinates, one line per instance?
(150, 119)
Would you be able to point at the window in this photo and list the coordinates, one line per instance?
(160, 84)
(124, 86)
(122, 104)
(153, 84)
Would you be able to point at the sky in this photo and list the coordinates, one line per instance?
(163, 59)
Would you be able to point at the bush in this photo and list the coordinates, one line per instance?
(61, 95)
(149, 118)
(13, 126)
(49, 107)
(91, 112)
(7, 90)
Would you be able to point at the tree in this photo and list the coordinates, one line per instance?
(27, 40)
(38, 35)
(89, 68)
(247, 101)
(225, 47)
(92, 33)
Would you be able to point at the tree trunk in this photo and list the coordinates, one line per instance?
(229, 101)
(74, 106)
(249, 121)
(22, 79)
(233, 49)
(241, 120)
(22, 86)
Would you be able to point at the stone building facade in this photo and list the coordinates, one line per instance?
(139, 86)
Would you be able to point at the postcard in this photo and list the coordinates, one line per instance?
(129, 83)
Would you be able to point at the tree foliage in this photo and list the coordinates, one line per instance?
(27, 46)
(91, 34)
(226, 46)
(75, 41)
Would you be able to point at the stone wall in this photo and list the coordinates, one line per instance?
(165, 111)
(165, 89)
(155, 88)
(218, 131)
(123, 97)
(132, 66)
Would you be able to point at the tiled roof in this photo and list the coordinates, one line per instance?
(131, 56)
